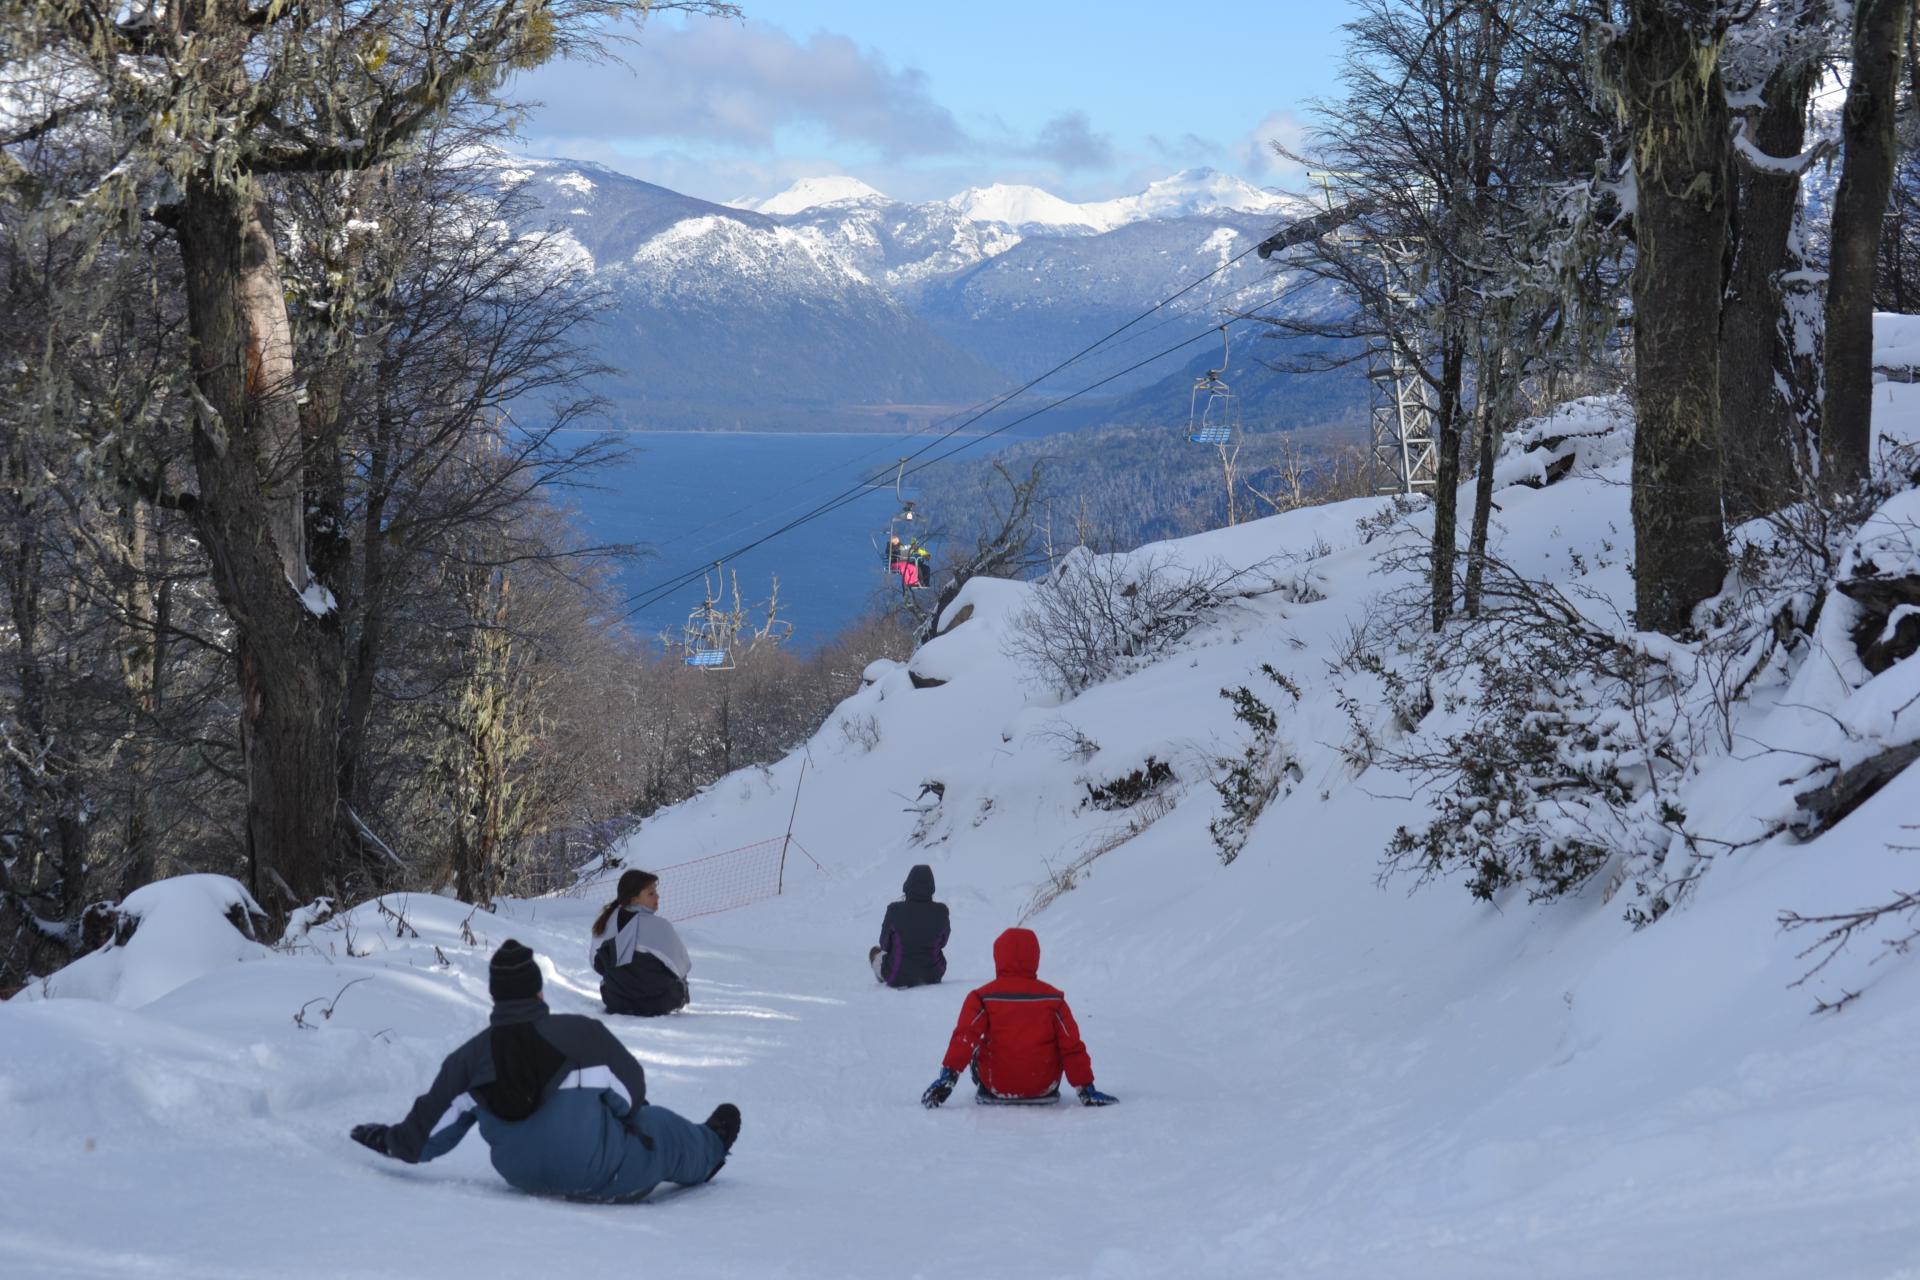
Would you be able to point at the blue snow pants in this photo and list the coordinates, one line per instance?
(585, 1144)
(683, 1152)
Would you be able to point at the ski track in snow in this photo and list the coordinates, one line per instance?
(1318, 1078)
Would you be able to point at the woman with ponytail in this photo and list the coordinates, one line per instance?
(640, 959)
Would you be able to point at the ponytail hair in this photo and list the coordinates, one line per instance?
(632, 885)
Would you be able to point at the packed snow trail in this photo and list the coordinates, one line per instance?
(1317, 1078)
(1304, 1122)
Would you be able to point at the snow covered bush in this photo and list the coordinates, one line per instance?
(1567, 739)
(170, 932)
(1249, 781)
(1570, 741)
(861, 732)
(1129, 789)
(1096, 616)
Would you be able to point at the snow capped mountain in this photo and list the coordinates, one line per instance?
(724, 316)
(1029, 209)
(1189, 193)
(903, 247)
(1192, 192)
(706, 257)
(832, 293)
(810, 193)
(1027, 309)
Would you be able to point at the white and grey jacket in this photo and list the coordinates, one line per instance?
(640, 930)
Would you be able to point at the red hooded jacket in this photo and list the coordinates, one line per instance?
(1017, 1030)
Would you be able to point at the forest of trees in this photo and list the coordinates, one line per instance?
(1666, 195)
(294, 397)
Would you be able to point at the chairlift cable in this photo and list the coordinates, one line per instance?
(729, 519)
(646, 599)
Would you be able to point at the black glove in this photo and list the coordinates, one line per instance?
(940, 1090)
(371, 1136)
(1092, 1097)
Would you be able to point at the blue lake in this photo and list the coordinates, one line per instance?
(692, 497)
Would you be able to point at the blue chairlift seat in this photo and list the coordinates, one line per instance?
(712, 659)
(1213, 412)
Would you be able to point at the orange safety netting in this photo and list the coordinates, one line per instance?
(728, 879)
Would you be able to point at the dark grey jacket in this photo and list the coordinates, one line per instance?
(913, 935)
(580, 1090)
(642, 964)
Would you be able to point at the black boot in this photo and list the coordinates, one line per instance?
(724, 1121)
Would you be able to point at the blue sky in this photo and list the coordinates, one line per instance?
(1088, 98)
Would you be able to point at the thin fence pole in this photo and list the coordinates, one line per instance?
(780, 885)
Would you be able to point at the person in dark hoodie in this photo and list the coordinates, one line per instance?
(641, 961)
(913, 935)
(561, 1103)
(1017, 1035)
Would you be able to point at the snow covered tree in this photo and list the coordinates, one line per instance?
(1460, 127)
(1660, 67)
(1870, 150)
(1772, 66)
(198, 112)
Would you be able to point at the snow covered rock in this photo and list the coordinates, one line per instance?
(1881, 575)
(169, 933)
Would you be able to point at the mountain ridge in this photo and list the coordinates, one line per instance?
(831, 294)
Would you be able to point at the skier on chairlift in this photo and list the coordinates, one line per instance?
(908, 559)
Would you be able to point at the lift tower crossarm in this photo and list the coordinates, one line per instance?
(1318, 225)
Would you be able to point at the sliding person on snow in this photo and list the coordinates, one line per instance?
(1018, 1035)
(560, 1101)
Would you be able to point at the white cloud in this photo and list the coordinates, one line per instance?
(740, 84)
(727, 111)
(1255, 156)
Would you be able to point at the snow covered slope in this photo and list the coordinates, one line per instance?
(1320, 1076)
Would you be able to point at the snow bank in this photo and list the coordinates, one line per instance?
(183, 929)
(1896, 344)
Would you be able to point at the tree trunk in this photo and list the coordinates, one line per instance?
(1757, 422)
(52, 791)
(1859, 204)
(141, 665)
(1493, 398)
(249, 517)
(1446, 487)
(1677, 113)
(371, 600)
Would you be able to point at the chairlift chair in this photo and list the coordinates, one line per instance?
(906, 555)
(705, 640)
(1213, 412)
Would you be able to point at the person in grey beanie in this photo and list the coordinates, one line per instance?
(561, 1103)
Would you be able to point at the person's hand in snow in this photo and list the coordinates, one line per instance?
(940, 1090)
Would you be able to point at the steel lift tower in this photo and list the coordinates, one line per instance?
(1402, 457)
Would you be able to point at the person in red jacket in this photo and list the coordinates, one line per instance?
(1018, 1036)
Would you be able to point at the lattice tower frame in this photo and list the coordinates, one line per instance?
(1404, 451)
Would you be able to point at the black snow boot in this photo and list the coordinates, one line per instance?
(724, 1121)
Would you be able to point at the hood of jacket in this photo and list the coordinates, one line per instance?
(1016, 954)
(919, 884)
